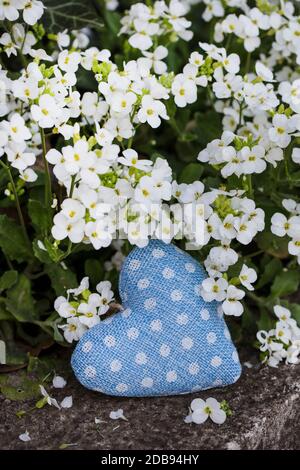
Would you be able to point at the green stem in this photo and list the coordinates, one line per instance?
(19, 210)
(73, 178)
(248, 63)
(250, 188)
(48, 191)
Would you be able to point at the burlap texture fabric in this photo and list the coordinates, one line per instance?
(167, 341)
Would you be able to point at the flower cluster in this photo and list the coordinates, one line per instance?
(103, 180)
(145, 25)
(282, 342)
(82, 309)
(288, 226)
(19, 145)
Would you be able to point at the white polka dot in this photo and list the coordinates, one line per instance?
(211, 337)
(190, 267)
(126, 313)
(235, 357)
(187, 343)
(109, 341)
(182, 319)
(171, 376)
(115, 365)
(227, 334)
(158, 253)
(143, 283)
(176, 295)
(217, 383)
(125, 296)
(156, 325)
(197, 290)
(87, 346)
(134, 264)
(168, 273)
(205, 314)
(141, 358)
(164, 350)
(216, 361)
(132, 333)
(90, 372)
(147, 382)
(121, 388)
(150, 303)
(193, 368)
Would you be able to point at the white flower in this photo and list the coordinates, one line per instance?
(131, 159)
(214, 289)
(69, 61)
(73, 329)
(64, 227)
(184, 90)
(9, 46)
(253, 159)
(296, 155)
(58, 382)
(154, 59)
(16, 128)
(263, 72)
(25, 437)
(151, 111)
(203, 409)
(49, 400)
(279, 133)
(89, 316)
(141, 39)
(247, 276)
(122, 102)
(231, 305)
(282, 226)
(32, 12)
(46, 112)
(282, 313)
(9, 10)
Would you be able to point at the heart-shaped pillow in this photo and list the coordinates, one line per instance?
(167, 340)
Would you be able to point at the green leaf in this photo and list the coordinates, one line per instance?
(41, 254)
(275, 246)
(20, 302)
(112, 19)
(192, 172)
(41, 217)
(73, 14)
(8, 279)
(94, 270)
(61, 279)
(266, 321)
(12, 240)
(53, 251)
(271, 269)
(285, 283)
(208, 126)
(22, 388)
(4, 314)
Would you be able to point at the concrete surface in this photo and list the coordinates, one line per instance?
(265, 405)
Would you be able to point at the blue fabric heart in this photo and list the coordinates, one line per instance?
(167, 341)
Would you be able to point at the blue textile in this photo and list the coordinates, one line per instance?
(167, 341)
